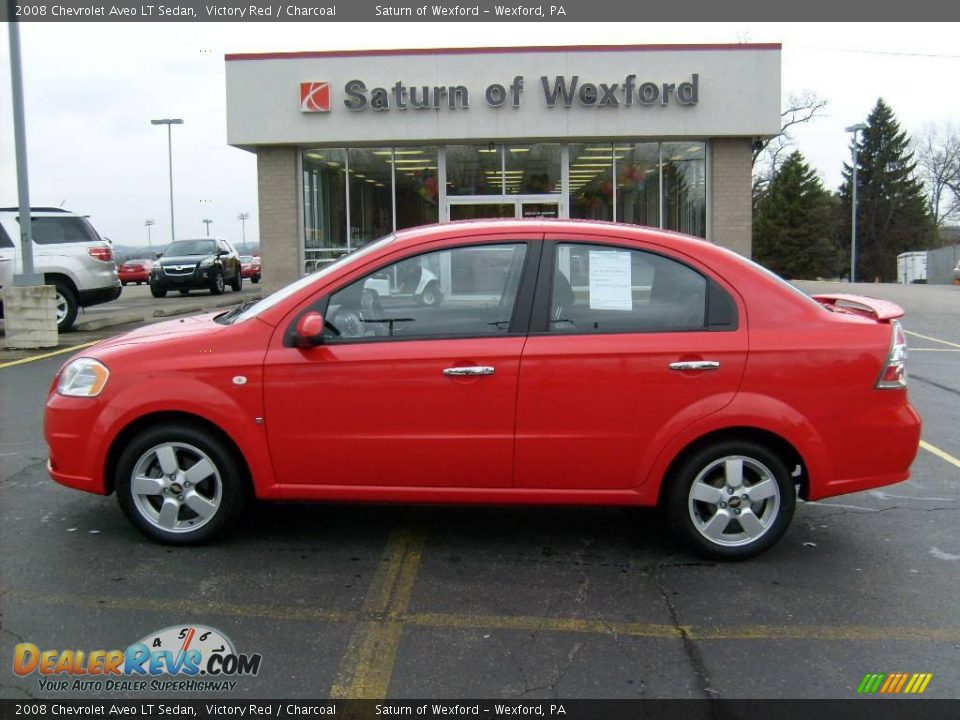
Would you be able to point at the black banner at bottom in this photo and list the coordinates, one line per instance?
(875, 708)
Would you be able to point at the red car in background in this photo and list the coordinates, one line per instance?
(569, 363)
(250, 268)
(135, 271)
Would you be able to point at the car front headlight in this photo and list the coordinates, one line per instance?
(84, 377)
(207, 262)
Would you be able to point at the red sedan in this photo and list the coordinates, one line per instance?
(250, 268)
(135, 271)
(569, 362)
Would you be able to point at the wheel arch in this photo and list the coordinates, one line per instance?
(140, 424)
(771, 440)
(51, 277)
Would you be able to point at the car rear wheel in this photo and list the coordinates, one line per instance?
(179, 484)
(66, 306)
(157, 291)
(254, 280)
(216, 283)
(184, 291)
(731, 500)
(431, 295)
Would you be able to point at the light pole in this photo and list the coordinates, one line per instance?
(853, 202)
(168, 122)
(148, 222)
(208, 223)
(243, 217)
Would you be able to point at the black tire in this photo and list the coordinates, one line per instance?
(66, 306)
(158, 291)
(188, 442)
(254, 280)
(216, 283)
(237, 283)
(185, 291)
(124, 284)
(713, 469)
(431, 296)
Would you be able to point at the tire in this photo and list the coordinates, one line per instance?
(237, 283)
(216, 283)
(158, 291)
(66, 306)
(202, 504)
(431, 296)
(185, 291)
(254, 280)
(124, 284)
(762, 491)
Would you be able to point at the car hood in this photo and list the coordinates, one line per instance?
(178, 329)
(181, 259)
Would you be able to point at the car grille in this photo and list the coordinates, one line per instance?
(179, 270)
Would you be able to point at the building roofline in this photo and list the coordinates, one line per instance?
(308, 54)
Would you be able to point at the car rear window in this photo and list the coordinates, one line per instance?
(58, 230)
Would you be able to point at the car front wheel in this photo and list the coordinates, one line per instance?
(179, 484)
(216, 283)
(731, 500)
(157, 291)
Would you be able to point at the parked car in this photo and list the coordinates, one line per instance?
(197, 264)
(69, 254)
(570, 362)
(250, 268)
(411, 279)
(956, 274)
(135, 271)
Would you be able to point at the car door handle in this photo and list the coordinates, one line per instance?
(695, 365)
(472, 370)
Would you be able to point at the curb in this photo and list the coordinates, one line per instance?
(105, 322)
(167, 312)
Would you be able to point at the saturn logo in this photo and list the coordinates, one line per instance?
(314, 97)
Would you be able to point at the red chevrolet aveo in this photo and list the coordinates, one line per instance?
(553, 362)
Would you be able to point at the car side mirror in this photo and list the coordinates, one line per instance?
(156, 256)
(309, 330)
(221, 253)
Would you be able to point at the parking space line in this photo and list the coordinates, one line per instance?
(44, 356)
(932, 339)
(914, 349)
(367, 664)
(943, 455)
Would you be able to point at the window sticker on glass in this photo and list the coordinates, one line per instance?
(610, 280)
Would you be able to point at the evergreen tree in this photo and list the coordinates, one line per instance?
(792, 223)
(892, 212)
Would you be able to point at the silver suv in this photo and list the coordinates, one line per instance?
(69, 254)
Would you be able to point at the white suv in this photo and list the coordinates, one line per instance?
(69, 254)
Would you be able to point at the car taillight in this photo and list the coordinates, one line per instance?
(101, 253)
(894, 373)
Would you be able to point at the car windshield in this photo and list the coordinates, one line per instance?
(297, 285)
(190, 247)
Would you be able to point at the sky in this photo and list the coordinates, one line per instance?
(92, 88)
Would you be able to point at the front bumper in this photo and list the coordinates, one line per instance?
(74, 453)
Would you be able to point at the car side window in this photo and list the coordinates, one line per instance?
(5, 241)
(458, 292)
(606, 289)
(58, 230)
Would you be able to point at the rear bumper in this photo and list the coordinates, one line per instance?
(98, 296)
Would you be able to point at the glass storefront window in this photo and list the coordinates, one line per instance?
(591, 181)
(532, 169)
(371, 195)
(324, 206)
(474, 169)
(638, 183)
(418, 191)
(685, 187)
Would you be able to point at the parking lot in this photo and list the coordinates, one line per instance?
(487, 602)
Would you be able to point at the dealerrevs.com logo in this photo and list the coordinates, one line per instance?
(314, 97)
(179, 658)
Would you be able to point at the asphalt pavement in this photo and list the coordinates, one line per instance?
(487, 602)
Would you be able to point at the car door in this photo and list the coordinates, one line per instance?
(7, 259)
(403, 393)
(613, 365)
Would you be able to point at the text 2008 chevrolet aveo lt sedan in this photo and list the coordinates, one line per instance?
(560, 362)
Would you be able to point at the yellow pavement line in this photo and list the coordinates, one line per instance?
(933, 339)
(940, 453)
(913, 349)
(367, 664)
(22, 361)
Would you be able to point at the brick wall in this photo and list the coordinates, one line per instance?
(279, 215)
(731, 186)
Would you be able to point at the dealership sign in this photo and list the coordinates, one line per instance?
(556, 91)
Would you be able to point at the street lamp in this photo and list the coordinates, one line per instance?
(168, 122)
(853, 202)
(208, 223)
(243, 217)
(148, 223)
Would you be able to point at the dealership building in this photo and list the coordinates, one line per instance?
(353, 145)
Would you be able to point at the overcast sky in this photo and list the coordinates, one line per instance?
(92, 88)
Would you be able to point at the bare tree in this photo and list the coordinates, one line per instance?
(937, 151)
(800, 108)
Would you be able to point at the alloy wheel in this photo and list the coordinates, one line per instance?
(176, 487)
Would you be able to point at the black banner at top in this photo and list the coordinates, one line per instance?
(469, 11)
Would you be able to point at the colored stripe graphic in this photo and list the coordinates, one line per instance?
(894, 683)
